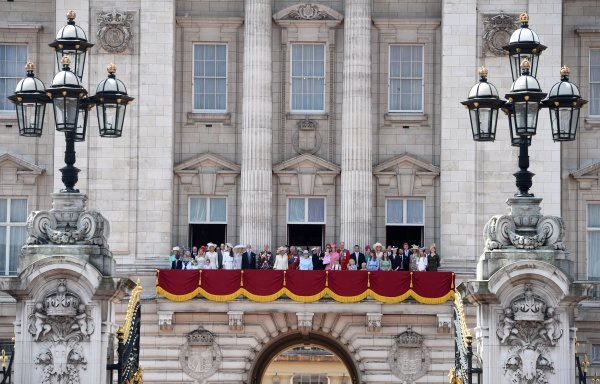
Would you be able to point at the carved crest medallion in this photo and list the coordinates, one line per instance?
(114, 30)
(498, 29)
(200, 357)
(409, 358)
(307, 138)
(308, 12)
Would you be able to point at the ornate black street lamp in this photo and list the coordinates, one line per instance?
(524, 101)
(70, 99)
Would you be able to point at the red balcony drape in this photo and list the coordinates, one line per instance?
(306, 286)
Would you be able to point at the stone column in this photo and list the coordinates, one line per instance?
(357, 186)
(256, 174)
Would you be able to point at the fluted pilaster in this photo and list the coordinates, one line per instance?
(256, 174)
(357, 184)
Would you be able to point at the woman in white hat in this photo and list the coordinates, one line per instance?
(212, 255)
(281, 260)
(227, 256)
(237, 256)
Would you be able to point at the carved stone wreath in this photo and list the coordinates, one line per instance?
(409, 358)
(114, 30)
(308, 12)
(497, 32)
(200, 357)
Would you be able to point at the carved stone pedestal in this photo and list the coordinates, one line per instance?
(526, 298)
(65, 292)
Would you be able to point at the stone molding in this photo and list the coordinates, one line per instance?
(305, 321)
(588, 177)
(306, 170)
(308, 13)
(236, 320)
(165, 320)
(374, 322)
(207, 171)
(407, 173)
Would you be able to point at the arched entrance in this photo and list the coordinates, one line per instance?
(285, 342)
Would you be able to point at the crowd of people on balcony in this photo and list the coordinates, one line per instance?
(333, 257)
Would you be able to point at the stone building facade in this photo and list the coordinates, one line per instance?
(276, 121)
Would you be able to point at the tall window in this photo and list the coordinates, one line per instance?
(405, 212)
(12, 68)
(406, 78)
(308, 77)
(210, 77)
(306, 210)
(310, 379)
(595, 82)
(208, 210)
(593, 243)
(13, 233)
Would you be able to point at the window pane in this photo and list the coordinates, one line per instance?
(308, 77)
(406, 78)
(210, 77)
(414, 211)
(18, 210)
(594, 82)
(394, 212)
(594, 216)
(12, 69)
(197, 210)
(3, 240)
(218, 210)
(17, 240)
(316, 210)
(296, 210)
(3, 210)
(593, 247)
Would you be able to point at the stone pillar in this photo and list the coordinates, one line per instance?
(256, 174)
(357, 185)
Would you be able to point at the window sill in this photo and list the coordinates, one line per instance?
(8, 119)
(307, 115)
(209, 117)
(405, 119)
(591, 122)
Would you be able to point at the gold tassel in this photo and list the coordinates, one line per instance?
(242, 279)
(411, 284)
(284, 272)
(369, 279)
(157, 272)
(327, 278)
(200, 278)
(452, 282)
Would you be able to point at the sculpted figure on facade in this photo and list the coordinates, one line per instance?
(409, 358)
(60, 322)
(529, 326)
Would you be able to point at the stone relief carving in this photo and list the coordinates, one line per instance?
(236, 320)
(409, 358)
(524, 228)
(529, 326)
(308, 12)
(60, 322)
(374, 322)
(307, 138)
(68, 222)
(497, 31)
(114, 30)
(200, 357)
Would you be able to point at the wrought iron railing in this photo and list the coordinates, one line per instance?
(128, 348)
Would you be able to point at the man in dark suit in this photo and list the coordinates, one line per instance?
(405, 257)
(317, 259)
(249, 258)
(358, 256)
(177, 263)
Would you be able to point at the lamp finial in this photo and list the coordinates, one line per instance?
(29, 67)
(111, 68)
(71, 15)
(524, 18)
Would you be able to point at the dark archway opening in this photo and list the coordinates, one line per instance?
(282, 343)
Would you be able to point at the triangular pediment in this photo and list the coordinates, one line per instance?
(207, 163)
(406, 161)
(14, 170)
(589, 171)
(588, 177)
(306, 163)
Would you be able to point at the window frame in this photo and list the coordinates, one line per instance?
(18, 78)
(292, 77)
(404, 223)
(194, 77)
(306, 198)
(588, 230)
(8, 225)
(591, 84)
(390, 78)
(208, 199)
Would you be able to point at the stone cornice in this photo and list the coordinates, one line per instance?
(25, 27)
(292, 165)
(587, 177)
(385, 23)
(206, 21)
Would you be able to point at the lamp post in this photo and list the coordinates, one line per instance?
(70, 99)
(524, 101)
